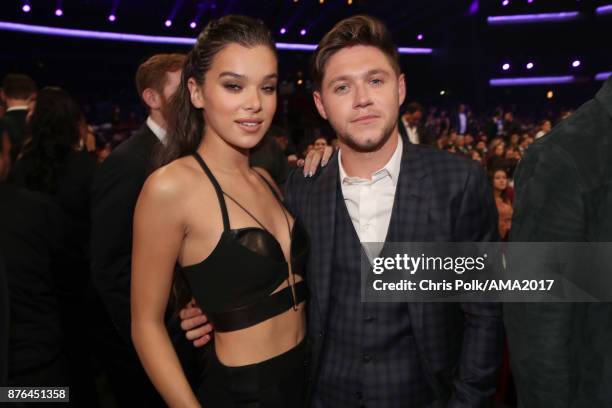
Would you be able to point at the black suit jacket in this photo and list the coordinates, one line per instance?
(14, 123)
(560, 352)
(30, 246)
(117, 184)
(439, 197)
(426, 137)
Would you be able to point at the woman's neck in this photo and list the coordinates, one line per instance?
(223, 156)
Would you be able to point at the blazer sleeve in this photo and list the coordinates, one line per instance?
(548, 208)
(475, 379)
(115, 189)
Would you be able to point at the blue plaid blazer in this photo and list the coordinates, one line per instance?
(440, 197)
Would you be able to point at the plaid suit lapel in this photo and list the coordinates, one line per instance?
(409, 218)
(411, 204)
(322, 225)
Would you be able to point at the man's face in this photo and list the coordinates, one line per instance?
(360, 96)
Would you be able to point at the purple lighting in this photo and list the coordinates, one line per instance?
(26, 8)
(112, 18)
(506, 66)
(420, 37)
(532, 81)
(112, 36)
(607, 9)
(602, 76)
(576, 63)
(533, 18)
(59, 12)
(168, 23)
(529, 65)
(474, 6)
(303, 31)
(529, 1)
(505, 3)
(193, 24)
(283, 30)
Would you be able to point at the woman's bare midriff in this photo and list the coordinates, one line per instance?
(263, 341)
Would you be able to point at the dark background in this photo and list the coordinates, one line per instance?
(467, 51)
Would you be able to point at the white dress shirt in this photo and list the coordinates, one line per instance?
(462, 123)
(370, 202)
(157, 130)
(19, 107)
(412, 132)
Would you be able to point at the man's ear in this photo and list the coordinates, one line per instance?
(151, 98)
(401, 88)
(316, 95)
(197, 99)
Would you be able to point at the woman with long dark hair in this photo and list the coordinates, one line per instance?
(240, 251)
(53, 162)
(499, 180)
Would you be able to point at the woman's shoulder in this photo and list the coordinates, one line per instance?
(176, 181)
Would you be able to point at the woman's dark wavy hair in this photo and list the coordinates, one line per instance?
(53, 132)
(186, 122)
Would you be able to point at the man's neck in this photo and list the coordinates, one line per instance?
(364, 164)
(157, 117)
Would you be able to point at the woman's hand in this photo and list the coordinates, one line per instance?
(314, 157)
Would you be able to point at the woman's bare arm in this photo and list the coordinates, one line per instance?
(159, 230)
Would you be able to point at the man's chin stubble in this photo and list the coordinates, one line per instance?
(369, 146)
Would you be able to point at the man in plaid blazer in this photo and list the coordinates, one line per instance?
(382, 188)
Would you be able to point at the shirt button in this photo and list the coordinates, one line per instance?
(367, 358)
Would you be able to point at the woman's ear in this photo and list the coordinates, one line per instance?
(195, 91)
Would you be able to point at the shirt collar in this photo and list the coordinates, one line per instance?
(391, 169)
(159, 131)
(20, 107)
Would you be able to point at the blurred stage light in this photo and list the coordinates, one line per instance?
(506, 66)
(283, 30)
(59, 12)
(548, 80)
(607, 9)
(529, 65)
(113, 36)
(533, 18)
(576, 63)
(303, 31)
(168, 23)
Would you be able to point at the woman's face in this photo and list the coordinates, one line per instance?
(500, 180)
(320, 144)
(238, 96)
(499, 149)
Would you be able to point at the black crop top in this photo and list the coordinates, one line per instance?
(234, 285)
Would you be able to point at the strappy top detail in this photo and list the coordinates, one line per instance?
(234, 285)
